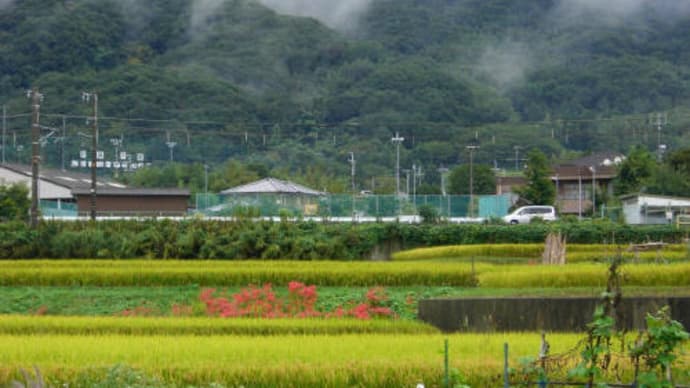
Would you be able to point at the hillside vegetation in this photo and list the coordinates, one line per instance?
(236, 79)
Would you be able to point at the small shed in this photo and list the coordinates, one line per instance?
(647, 209)
(140, 202)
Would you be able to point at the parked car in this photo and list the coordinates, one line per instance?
(524, 215)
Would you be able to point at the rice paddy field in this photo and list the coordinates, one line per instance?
(366, 360)
(66, 318)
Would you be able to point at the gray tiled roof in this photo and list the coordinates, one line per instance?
(80, 183)
(68, 179)
(271, 186)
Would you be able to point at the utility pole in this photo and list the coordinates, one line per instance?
(579, 193)
(593, 170)
(206, 187)
(87, 97)
(352, 175)
(414, 185)
(661, 120)
(397, 140)
(62, 142)
(117, 143)
(171, 145)
(471, 148)
(517, 157)
(36, 98)
(4, 131)
(442, 171)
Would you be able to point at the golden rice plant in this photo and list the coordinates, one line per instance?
(231, 273)
(203, 326)
(386, 360)
(575, 252)
(584, 275)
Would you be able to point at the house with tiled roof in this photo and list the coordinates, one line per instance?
(269, 195)
(577, 179)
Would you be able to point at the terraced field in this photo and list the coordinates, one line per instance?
(88, 322)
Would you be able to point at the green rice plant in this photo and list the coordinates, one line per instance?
(584, 275)
(44, 325)
(234, 273)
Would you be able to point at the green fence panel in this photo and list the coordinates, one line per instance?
(341, 205)
(57, 209)
(494, 205)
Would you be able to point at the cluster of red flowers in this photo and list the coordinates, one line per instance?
(373, 307)
(300, 303)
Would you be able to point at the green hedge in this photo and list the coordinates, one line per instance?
(245, 239)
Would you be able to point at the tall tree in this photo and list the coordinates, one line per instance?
(14, 202)
(484, 180)
(540, 190)
(634, 172)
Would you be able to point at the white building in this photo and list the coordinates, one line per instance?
(646, 209)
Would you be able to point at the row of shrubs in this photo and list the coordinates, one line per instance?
(244, 239)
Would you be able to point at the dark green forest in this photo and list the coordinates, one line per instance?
(253, 92)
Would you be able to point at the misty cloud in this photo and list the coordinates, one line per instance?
(6, 3)
(201, 11)
(616, 12)
(337, 14)
(507, 64)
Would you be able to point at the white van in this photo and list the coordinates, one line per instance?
(525, 214)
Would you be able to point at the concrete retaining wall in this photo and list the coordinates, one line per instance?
(535, 314)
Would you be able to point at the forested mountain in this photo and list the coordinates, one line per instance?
(293, 86)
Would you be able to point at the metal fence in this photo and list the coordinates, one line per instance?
(376, 206)
(558, 363)
(57, 209)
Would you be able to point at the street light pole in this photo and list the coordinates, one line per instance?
(397, 140)
(579, 192)
(594, 190)
(471, 148)
(352, 174)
